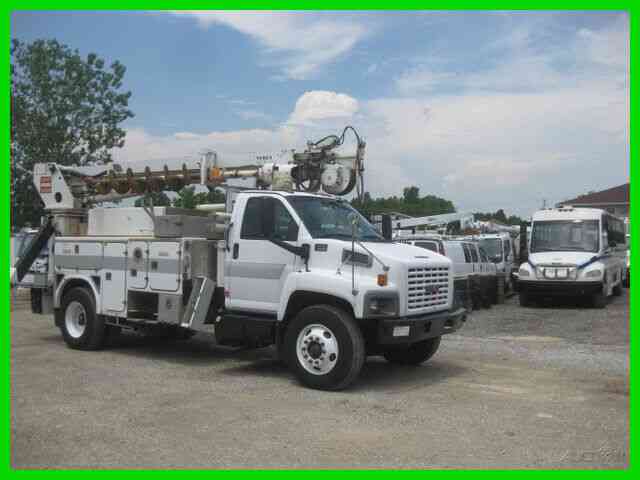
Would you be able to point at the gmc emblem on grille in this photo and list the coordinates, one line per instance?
(431, 289)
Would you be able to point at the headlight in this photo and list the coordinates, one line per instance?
(378, 305)
(594, 273)
(523, 272)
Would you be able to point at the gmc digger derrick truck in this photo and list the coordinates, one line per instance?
(288, 263)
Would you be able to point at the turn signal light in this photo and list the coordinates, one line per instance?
(383, 279)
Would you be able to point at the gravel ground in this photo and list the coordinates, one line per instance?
(516, 387)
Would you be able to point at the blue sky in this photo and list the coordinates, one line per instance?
(491, 111)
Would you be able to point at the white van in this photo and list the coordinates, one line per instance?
(500, 248)
(574, 251)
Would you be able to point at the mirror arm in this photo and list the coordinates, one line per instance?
(302, 251)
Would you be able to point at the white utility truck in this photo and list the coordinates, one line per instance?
(574, 251)
(297, 267)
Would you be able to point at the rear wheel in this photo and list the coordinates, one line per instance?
(81, 327)
(413, 354)
(324, 347)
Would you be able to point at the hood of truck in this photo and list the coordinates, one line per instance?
(412, 271)
(401, 252)
(561, 258)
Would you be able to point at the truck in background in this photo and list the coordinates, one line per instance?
(574, 252)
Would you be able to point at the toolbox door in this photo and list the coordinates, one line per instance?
(138, 265)
(164, 266)
(113, 278)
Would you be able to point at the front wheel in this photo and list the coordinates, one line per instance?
(525, 300)
(81, 327)
(413, 354)
(324, 347)
(599, 299)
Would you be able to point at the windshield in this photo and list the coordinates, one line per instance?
(331, 218)
(565, 236)
(493, 248)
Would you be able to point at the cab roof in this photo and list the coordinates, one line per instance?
(567, 213)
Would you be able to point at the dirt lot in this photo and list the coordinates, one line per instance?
(539, 387)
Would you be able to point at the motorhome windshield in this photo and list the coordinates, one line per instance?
(330, 218)
(493, 248)
(565, 236)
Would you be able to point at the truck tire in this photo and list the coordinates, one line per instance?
(324, 347)
(525, 299)
(617, 289)
(82, 328)
(599, 300)
(414, 354)
(500, 288)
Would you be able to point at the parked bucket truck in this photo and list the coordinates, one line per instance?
(288, 262)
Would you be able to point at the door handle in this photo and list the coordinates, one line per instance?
(236, 250)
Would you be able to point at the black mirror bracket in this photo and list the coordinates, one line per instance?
(303, 251)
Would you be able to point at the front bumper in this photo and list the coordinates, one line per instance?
(559, 288)
(420, 327)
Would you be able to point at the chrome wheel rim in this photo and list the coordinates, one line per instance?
(317, 349)
(75, 319)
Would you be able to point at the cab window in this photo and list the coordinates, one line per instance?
(433, 246)
(267, 218)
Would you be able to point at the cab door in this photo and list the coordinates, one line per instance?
(256, 267)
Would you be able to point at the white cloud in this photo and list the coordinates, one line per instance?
(515, 134)
(300, 44)
(253, 115)
(322, 105)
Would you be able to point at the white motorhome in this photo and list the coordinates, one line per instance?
(574, 251)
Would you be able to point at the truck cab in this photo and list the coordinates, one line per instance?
(574, 252)
(331, 286)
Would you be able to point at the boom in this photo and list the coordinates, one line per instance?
(319, 167)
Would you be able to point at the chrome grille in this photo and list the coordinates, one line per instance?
(428, 287)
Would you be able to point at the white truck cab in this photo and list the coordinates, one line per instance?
(574, 251)
(313, 266)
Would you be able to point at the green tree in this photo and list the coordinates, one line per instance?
(410, 204)
(65, 108)
(411, 194)
(187, 198)
(159, 199)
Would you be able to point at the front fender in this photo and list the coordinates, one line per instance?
(335, 285)
(85, 279)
